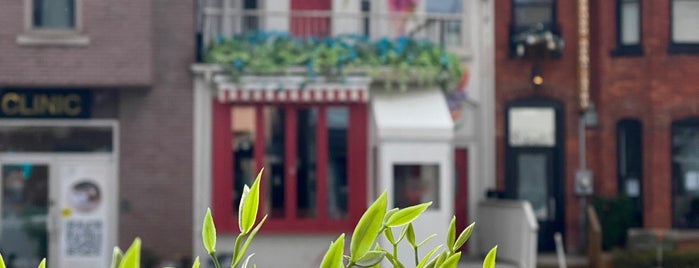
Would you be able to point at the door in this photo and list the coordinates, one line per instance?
(534, 163)
(534, 181)
(56, 207)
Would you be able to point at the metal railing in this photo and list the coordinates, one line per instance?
(441, 28)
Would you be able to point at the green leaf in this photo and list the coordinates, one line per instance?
(426, 239)
(132, 257)
(208, 233)
(410, 235)
(333, 257)
(248, 240)
(440, 259)
(196, 262)
(117, 255)
(463, 237)
(427, 257)
(371, 258)
(245, 263)
(489, 261)
(403, 232)
(248, 214)
(451, 261)
(393, 260)
(406, 215)
(367, 228)
(241, 205)
(451, 234)
(42, 264)
(388, 233)
(2, 262)
(389, 214)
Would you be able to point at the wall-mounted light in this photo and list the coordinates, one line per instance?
(537, 76)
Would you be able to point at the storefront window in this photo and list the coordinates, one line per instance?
(306, 202)
(243, 127)
(685, 173)
(55, 139)
(274, 159)
(416, 183)
(337, 123)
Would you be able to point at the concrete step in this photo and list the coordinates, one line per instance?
(550, 260)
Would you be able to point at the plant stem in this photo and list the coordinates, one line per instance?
(416, 260)
(216, 263)
(236, 250)
(395, 250)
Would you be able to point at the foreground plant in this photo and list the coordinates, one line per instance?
(365, 251)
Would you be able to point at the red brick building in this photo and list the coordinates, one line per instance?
(644, 55)
(100, 92)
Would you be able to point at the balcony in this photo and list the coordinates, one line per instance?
(443, 29)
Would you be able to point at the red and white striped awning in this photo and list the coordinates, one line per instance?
(293, 93)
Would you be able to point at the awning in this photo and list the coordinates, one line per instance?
(413, 115)
(293, 90)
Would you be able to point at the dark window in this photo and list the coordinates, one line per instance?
(54, 14)
(630, 163)
(684, 33)
(529, 14)
(628, 28)
(685, 173)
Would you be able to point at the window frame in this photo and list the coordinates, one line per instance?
(38, 36)
(516, 29)
(622, 49)
(675, 47)
(223, 174)
(675, 190)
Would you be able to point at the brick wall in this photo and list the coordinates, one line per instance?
(655, 88)
(119, 53)
(156, 127)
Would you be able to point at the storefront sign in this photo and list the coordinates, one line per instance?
(45, 103)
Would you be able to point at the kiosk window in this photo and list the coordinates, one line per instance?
(416, 183)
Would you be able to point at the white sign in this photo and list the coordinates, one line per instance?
(532, 126)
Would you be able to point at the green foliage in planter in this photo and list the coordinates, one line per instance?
(649, 259)
(364, 248)
(616, 217)
(274, 53)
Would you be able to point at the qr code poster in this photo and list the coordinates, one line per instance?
(84, 238)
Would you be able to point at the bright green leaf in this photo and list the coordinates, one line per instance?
(426, 239)
(42, 264)
(389, 214)
(196, 262)
(410, 235)
(132, 257)
(248, 214)
(208, 233)
(333, 257)
(117, 255)
(489, 261)
(393, 260)
(463, 237)
(248, 241)
(367, 228)
(451, 234)
(403, 232)
(388, 233)
(406, 215)
(241, 205)
(440, 259)
(2, 262)
(245, 263)
(451, 261)
(427, 257)
(371, 258)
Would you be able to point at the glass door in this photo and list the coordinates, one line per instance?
(24, 236)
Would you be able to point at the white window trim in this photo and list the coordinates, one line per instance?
(52, 37)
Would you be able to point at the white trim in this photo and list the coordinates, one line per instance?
(52, 37)
(201, 183)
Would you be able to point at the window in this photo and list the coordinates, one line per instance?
(629, 165)
(415, 184)
(628, 28)
(532, 14)
(53, 14)
(52, 22)
(685, 173)
(310, 182)
(684, 34)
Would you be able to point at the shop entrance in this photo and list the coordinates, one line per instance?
(534, 163)
(56, 205)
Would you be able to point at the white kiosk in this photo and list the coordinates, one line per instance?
(413, 135)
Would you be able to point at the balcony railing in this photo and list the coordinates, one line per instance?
(445, 29)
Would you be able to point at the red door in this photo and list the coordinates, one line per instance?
(461, 194)
(311, 18)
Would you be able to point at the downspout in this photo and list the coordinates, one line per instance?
(583, 176)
